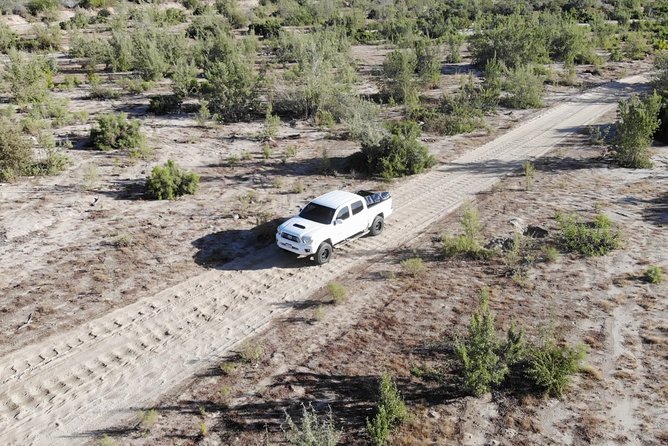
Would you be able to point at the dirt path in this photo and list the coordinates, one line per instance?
(64, 388)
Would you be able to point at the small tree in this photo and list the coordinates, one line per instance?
(232, 89)
(478, 352)
(15, 151)
(169, 181)
(637, 120)
(398, 73)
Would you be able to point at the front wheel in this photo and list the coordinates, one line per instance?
(323, 254)
(377, 226)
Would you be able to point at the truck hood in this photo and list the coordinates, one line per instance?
(300, 227)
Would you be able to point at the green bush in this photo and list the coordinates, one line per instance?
(169, 182)
(637, 120)
(482, 365)
(116, 132)
(398, 154)
(398, 76)
(15, 151)
(525, 88)
(38, 6)
(654, 274)
(338, 292)
(468, 243)
(28, 79)
(164, 104)
(313, 430)
(391, 412)
(8, 38)
(513, 40)
(551, 366)
(232, 89)
(230, 9)
(593, 238)
(267, 28)
(413, 267)
(378, 428)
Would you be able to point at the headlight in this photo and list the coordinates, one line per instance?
(306, 239)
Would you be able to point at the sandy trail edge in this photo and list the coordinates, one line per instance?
(65, 388)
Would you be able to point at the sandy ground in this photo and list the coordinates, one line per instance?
(73, 384)
(331, 355)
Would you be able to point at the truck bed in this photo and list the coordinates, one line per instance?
(373, 198)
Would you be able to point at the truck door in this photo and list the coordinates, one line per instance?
(341, 225)
(359, 219)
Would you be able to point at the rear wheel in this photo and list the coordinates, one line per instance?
(323, 254)
(378, 225)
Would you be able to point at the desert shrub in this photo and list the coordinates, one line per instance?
(191, 4)
(453, 41)
(207, 26)
(148, 59)
(468, 243)
(231, 10)
(53, 163)
(106, 440)
(94, 49)
(8, 38)
(169, 181)
(396, 155)
(122, 58)
(313, 430)
(413, 267)
(378, 428)
(594, 238)
(513, 40)
(28, 79)
(398, 76)
(251, 351)
(47, 38)
(428, 61)
(38, 6)
(232, 89)
(479, 351)
(391, 411)
(568, 41)
(116, 132)
(525, 88)
(135, 85)
(272, 123)
(637, 120)
(15, 151)
(267, 28)
(338, 292)
(551, 366)
(635, 46)
(164, 104)
(184, 80)
(529, 173)
(654, 274)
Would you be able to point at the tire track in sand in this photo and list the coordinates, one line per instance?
(61, 389)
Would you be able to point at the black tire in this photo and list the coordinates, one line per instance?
(324, 253)
(377, 225)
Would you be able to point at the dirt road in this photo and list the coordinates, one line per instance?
(67, 387)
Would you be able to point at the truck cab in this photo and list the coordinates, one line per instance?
(332, 219)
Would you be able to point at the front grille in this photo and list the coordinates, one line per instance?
(290, 237)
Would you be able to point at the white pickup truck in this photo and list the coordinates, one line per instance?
(331, 219)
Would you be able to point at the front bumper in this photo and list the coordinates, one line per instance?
(289, 245)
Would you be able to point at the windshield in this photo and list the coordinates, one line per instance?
(318, 213)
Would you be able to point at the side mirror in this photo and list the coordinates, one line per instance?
(338, 221)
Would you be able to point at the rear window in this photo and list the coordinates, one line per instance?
(357, 207)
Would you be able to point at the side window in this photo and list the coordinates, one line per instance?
(343, 214)
(357, 207)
